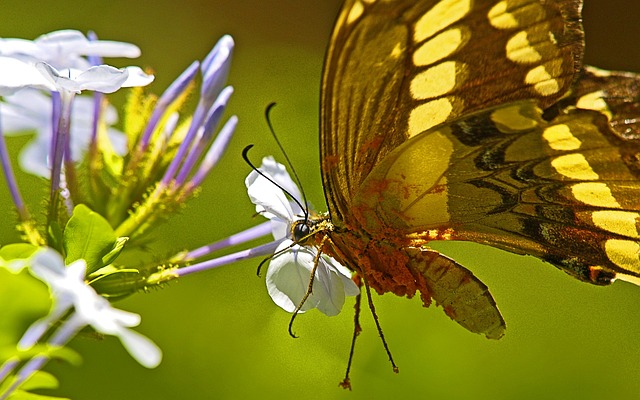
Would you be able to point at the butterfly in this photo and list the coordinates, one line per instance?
(475, 121)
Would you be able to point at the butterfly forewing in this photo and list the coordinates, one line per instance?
(397, 68)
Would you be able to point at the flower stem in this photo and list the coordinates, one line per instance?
(58, 145)
(262, 250)
(10, 177)
(238, 238)
(59, 338)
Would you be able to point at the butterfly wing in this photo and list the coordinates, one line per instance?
(563, 185)
(463, 297)
(395, 69)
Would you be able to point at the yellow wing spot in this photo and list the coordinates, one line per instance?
(509, 119)
(437, 80)
(624, 253)
(559, 137)
(519, 49)
(514, 13)
(624, 223)
(428, 115)
(594, 194)
(574, 166)
(500, 18)
(355, 12)
(443, 14)
(439, 47)
(543, 80)
(594, 101)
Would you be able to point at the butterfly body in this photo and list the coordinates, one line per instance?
(475, 120)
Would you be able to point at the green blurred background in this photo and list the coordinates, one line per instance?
(222, 336)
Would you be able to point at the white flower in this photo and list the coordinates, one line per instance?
(99, 78)
(290, 270)
(69, 289)
(288, 280)
(16, 75)
(30, 111)
(65, 49)
(270, 200)
(58, 62)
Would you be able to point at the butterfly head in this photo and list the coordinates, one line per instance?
(308, 230)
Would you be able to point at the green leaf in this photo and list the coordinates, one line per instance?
(20, 395)
(53, 352)
(23, 299)
(88, 236)
(111, 256)
(17, 251)
(114, 283)
(55, 236)
(65, 353)
(40, 380)
(15, 256)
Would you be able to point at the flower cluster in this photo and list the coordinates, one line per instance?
(107, 187)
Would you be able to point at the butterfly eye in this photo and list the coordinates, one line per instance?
(300, 231)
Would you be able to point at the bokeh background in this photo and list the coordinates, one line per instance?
(222, 336)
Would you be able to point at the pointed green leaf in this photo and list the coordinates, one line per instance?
(88, 236)
(115, 252)
(15, 256)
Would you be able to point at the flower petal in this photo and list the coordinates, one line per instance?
(329, 290)
(141, 348)
(102, 78)
(269, 199)
(279, 174)
(215, 69)
(34, 158)
(137, 77)
(59, 45)
(288, 277)
(350, 287)
(16, 75)
(288, 280)
(46, 262)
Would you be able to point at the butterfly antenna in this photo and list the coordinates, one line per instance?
(286, 157)
(245, 156)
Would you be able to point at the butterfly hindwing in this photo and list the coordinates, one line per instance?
(462, 296)
(564, 190)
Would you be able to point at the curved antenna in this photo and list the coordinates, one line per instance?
(267, 114)
(245, 156)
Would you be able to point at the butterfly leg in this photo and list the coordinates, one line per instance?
(316, 261)
(346, 383)
(376, 319)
